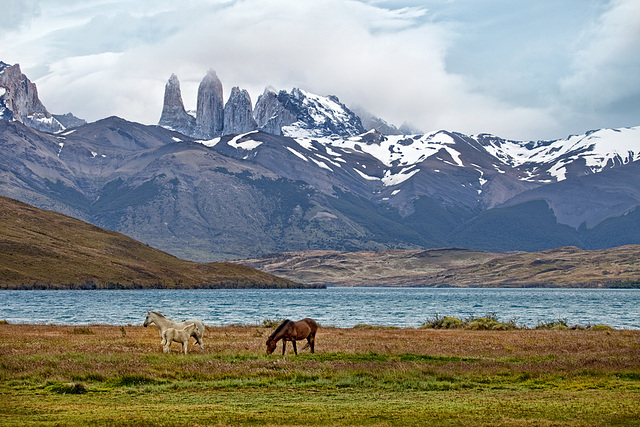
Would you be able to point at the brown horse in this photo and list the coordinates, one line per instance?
(293, 331)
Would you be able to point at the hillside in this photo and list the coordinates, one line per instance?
(46, 250)
(561, 267)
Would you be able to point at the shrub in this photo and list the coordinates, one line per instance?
(271, 323)
(482, 324)
(489, 322)
(438, 322)
(560, 324)
(451, 323)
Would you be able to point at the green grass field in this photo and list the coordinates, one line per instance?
(112, 375)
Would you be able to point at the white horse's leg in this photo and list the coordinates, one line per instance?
(185, 345)
(167, 347)
(201, 337)
(199, 341)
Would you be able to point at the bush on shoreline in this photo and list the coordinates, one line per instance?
(491, 323)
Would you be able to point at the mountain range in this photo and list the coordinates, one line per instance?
(299, 171)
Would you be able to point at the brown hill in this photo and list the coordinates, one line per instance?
(561, 267)
(44, 249)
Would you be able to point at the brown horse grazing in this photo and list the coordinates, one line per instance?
(293, 331)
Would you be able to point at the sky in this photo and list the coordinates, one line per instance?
(519, 69)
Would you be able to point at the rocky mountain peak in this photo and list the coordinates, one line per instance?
(238, 113)
(173, 113)
(210, 107)
(20, 101)
(295, 113)
(270, 114)
(318, 116)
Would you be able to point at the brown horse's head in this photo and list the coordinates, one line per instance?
(271, 345)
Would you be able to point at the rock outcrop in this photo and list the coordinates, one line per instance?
(295, 113)
(210, 107)
(69, 120)
(238, 114)
(20, 101)
(319, 115)
(270, 115)
(173, 113)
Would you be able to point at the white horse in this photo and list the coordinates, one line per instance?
(163, 323)
(178, 335)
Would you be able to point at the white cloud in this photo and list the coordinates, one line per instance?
(16, 13)
(607, 65)
(423, 62)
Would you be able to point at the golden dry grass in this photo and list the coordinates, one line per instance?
(114, 375)
(45, 249)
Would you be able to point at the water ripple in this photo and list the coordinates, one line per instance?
(342, 307)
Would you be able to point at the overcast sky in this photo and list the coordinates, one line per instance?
(524, 70)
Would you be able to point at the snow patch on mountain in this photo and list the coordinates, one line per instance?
(244, 143)
(598, 149)
(390, 179)
(209, 142)
(297, 154)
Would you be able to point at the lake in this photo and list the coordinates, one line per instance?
(334, 306)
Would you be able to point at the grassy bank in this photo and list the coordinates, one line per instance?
(114, 375)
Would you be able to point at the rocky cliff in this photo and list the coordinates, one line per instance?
(20, 101)
(173, 113)
(238, 113)
(210, 108)
(295, 113)
(270, 114)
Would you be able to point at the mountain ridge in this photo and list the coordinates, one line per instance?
(455, 267)
(302, 186)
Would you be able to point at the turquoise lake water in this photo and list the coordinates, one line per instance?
(334, 306)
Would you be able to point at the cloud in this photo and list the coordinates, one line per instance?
(606, 67)
(16, 13)
(437, 64)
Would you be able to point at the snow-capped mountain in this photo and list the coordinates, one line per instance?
(318, 116)
(296, 113)
(477, 172)
(301, 172)
(574, 156)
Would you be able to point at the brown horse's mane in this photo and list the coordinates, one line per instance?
(279, 328)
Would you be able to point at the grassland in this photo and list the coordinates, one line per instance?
(42, 249)
(113, 375)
